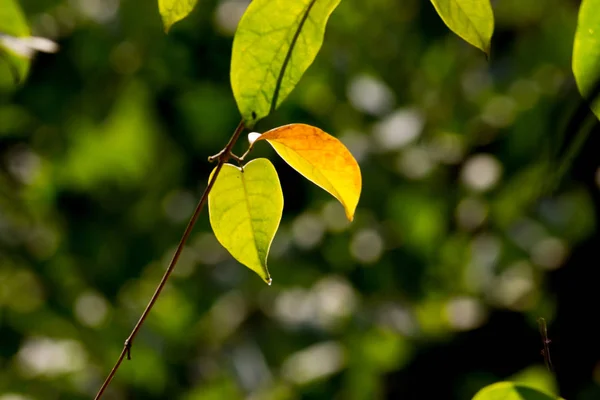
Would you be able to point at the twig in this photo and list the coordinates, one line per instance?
(222, 157)
(546, 343)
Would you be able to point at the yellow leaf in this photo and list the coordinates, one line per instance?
(245, 207)
(320, 158)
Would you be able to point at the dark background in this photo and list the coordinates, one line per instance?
(473, 220)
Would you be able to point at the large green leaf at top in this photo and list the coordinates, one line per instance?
(245, 207)
(472, 20)
(586, 52)
(512, 391)
(172, 11)
(275, 43)
(13, 23)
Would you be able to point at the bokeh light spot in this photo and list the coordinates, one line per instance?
(481, 172)
(308, 230)
(101, 11)
(314, 362)
(178, 205)
(370, 95)
(414, 163)
(512, 289)
(228, 15)
(500, 111)
(465, 313)
(398, 129)
(91, 309)
(471, 212)
(549, 253)
(49, 357)
(334, 216)
(366, 246)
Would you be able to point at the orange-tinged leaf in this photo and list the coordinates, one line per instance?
(320, 158)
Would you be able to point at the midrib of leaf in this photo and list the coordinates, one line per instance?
(316, 171)
(288, 56)
(246, 197)
(473, 27)
(471, 23)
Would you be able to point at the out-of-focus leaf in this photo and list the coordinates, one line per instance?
(538, 377)
(245, 207)
(586, 52)
(275, 42)
(119, 151)
(172, 11)
(472, 20)
(420, 216)
(320, 158)
(18, 51)
(12, 20)
(13, 23)
(512, 391)
(221, 388)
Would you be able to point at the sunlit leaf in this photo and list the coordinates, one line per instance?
(275, 42)
(245, 207)
(12, 23)
(320, 158)
(472, 20)
(586, 52)
(537, 376)
(172, 11)
(512, 391)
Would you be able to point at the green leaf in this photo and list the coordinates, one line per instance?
(512, 391)
(13, 23)
(172, 11)
(472, 20)
(275, 43)
(245, 207)
(586, 51)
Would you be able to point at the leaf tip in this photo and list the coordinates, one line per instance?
(264, 274)
(166, 26)
(488, 52)
(350, 215)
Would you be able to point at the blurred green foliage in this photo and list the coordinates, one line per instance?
(512, 391)
(13, 67)
(103, 155)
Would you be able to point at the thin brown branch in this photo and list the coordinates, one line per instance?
(222, 156)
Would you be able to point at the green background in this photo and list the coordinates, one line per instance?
(432, 292)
